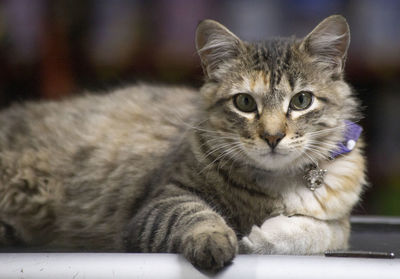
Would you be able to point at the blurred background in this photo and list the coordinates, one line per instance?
(52, 49)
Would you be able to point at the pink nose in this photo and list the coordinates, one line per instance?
(273, 140)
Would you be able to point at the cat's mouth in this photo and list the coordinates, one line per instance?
(273, 153)
(270, 159)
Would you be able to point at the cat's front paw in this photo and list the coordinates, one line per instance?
(294, 235)
(210, 247)
(278, 235)
(257, 242)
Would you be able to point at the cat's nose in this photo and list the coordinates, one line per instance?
(273, 140)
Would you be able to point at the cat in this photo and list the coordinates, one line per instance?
(207, 173)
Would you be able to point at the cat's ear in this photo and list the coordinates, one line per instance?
(215, 45)
(328, 42)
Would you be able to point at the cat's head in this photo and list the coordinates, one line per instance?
(278, 104)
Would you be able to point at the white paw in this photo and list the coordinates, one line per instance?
(256, 243)
(287, 235)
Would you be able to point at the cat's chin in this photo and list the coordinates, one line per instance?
(274, 161)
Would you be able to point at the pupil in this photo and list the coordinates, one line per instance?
(246, 101)
(301, 98)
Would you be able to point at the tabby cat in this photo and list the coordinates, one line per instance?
(160, 169)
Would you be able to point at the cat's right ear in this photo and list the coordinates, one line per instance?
(216, 45)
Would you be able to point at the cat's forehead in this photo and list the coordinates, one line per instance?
(260, 83)
(269, 71)
(273, 55)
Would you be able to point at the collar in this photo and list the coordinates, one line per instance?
(352, 133)
(314, 176)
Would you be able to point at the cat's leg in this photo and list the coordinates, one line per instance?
(296, 235)
(180, 222)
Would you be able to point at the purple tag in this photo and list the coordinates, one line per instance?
(351, 134)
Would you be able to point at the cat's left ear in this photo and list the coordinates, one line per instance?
(328, 42)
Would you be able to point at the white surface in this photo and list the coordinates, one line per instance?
(115, 265)
(375, 220)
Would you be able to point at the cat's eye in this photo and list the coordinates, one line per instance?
(245, 102)
(301, 100)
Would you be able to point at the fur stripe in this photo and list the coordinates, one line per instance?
(185, 187)
(171, 222)
(227, 179)
(161, 224)
(199, 217)
(190, 221)
(150, 216)
(219, 103)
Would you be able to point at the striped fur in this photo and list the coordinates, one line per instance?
(160, 169)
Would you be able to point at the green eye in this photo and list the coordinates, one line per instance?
(301, 101)
(245, 102)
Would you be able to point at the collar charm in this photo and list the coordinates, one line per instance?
(314, 176)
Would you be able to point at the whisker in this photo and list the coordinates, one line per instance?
(318, 153)
(310, 157)
(208, 141)
(239, 155)
(233, 150)
(330, 129)
(202, 129)
(321, 148)
(216, 148)
(322, 143)
(220, 156)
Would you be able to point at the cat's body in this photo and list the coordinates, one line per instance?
(73, 163)
(158, 169)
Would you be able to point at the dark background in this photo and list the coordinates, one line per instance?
(53, 49)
